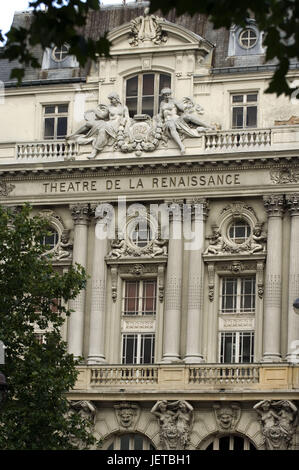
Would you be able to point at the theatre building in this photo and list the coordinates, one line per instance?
(187, 333)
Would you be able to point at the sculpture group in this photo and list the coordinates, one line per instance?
(111, 124)
(175, 420)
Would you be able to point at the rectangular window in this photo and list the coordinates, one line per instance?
(236, 347)
(244, 110)
(138, 348)
(55, 121)
(143, 92)
(140, 297)
(237, 295)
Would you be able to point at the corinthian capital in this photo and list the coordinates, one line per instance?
(274, 204)
(292, 201)
(80, 213)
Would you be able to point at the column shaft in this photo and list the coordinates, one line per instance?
(293, 318)
(80, 215)
(96, 353)
(172, 322)
(195, 286)
(272, 305)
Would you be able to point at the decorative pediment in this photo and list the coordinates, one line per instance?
(153, 32)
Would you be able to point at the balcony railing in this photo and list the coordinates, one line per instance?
(47, 150)
(277, 138)
(189, 377)
(224, 374)
(122, 375)
(237, 140)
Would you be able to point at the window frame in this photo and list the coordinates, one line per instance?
(245, 105)
(138, 352)
(239, 295)
(55, 115)
(140, 312)
(242, 32)
(156, 95)
(237, 346)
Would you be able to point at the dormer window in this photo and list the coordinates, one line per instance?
(60, 53)
(143, 92)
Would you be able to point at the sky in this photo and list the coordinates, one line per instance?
(8, 7)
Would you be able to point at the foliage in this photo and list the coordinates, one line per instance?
(279, 19)
(36, 414)
(56, 22)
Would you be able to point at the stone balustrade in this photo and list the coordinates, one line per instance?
(180, 377)
(124, 375)
(222, 142)
(46, 151)
(237, 140)
(228, 374)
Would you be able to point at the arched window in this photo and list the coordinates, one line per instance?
(143, 92)
(230, 442)
(130, 442)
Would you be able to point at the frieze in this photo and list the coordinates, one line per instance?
(284, 176)
(6, 188)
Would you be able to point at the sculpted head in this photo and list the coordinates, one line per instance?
(126, 413)
(114, 98)
(166, 93)
(226, 417)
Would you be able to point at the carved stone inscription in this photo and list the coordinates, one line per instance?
(127, 184)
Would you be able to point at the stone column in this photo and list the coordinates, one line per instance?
(173, 290)
(293, 318)
(199, 210)
(272, 304)
(96, 354)
(80, 214)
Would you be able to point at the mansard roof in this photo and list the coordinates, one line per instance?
(111, 17)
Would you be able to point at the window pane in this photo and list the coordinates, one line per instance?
(125, 442)
(248, 294)
(131, 298)
(224, 443)
(132, 106)
(251, 98)
(49, 109)
(129, 349)
(147, 349)
(238, 443)
(132, 86)
(148, 106)
(238, 98)
(251, 118)
(229, 295)
(246, 352)
(148, 84)
(238, 117)
(228, 345)
(61, 127)
(49, 128)
(63, 108)
(149, 298)
(138, 442)
(164, 82)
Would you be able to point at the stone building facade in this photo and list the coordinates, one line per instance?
(188, 341)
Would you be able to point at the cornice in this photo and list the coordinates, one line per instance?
(148, 166)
